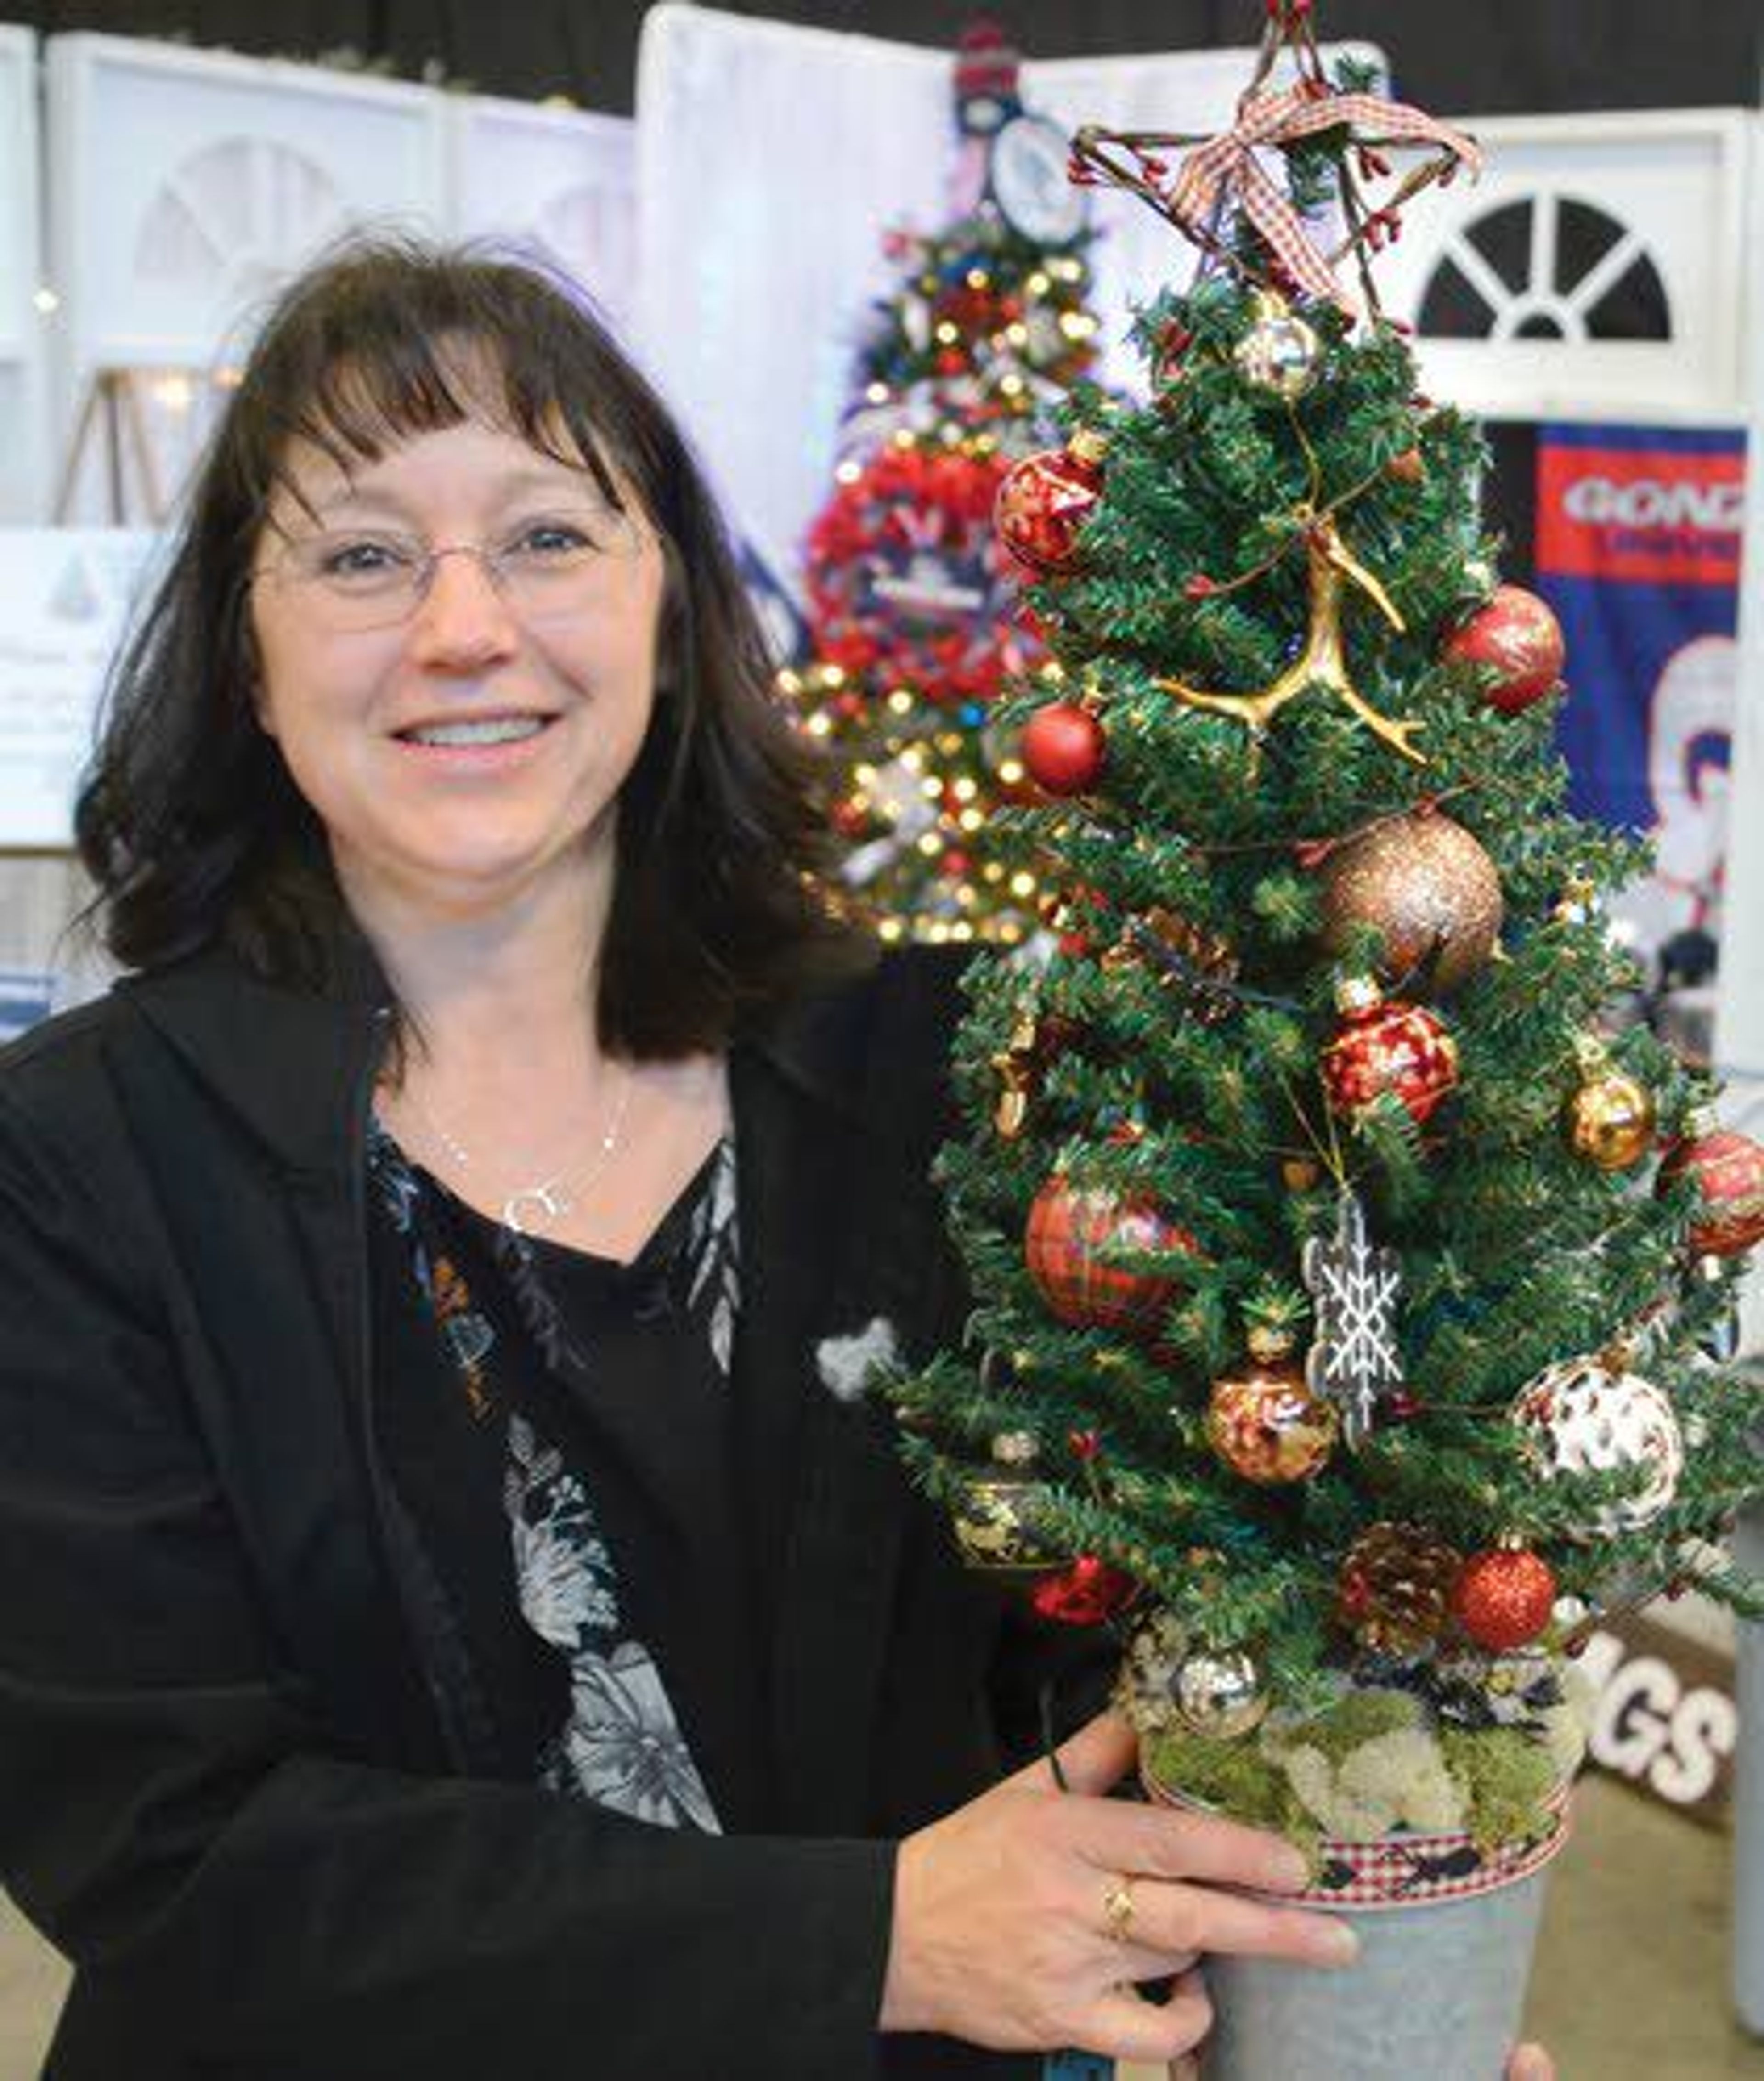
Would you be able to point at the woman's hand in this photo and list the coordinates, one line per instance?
(1021, 1920)
(1531, 2062)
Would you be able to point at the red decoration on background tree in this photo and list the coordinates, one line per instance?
(1518, 635)
(1399, 1049)
(1064, 747)
(1044, 502)
(1503, 1598)
(1728, 1169)
(1073, 1230)
(905, 579)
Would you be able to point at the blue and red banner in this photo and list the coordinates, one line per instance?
(1638, 551)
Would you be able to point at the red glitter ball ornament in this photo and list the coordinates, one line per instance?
(1397, 1048)
(1064, 747)
(1516, 633)
(1087, 1593)
(1046, 499)
(1728, 1169)
(1503, 1599)
(1073, 1230)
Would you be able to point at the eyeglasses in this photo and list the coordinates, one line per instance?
(360, 579)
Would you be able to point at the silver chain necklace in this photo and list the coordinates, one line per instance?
(551, 1197)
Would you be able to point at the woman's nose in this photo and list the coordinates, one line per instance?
(462, 615)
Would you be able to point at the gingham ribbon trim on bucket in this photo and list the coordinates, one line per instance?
(1406, 1870)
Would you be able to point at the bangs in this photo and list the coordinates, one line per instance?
(392, 369)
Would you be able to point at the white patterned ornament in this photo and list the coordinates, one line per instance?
(1592, 1416)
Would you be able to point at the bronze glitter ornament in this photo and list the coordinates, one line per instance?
(1426, 886)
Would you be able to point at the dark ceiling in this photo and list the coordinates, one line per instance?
(1469, 56)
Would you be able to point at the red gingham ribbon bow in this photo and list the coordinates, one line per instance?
(1227, 165)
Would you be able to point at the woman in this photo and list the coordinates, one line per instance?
(459, 1620)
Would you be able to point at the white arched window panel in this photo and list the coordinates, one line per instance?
(184, 187)
(1590, 273)
(1139, 253)
(24, 327)
(560, 179)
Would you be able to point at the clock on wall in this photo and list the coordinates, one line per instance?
(1027, 178)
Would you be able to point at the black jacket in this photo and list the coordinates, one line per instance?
(233, 1787)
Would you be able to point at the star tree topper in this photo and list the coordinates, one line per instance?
(1354, 1358)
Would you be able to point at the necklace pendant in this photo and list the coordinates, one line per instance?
(548, 1202)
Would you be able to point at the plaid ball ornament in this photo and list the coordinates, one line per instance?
(1077, 1235)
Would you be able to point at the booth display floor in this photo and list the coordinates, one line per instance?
(1631, 1982)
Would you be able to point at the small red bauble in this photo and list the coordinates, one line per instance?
(1516, 633)
(1503, 1599)
(1064, 747)
(1728, 1169)
(1073, 1230)
(1046, 499)
(1401, 1049)
(1087, 1593)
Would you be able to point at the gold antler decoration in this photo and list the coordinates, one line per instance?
(1321, 663)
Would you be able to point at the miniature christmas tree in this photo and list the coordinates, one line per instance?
(1341, 1279)
(913, 612)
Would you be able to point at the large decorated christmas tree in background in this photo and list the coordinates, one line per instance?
(914, 618)
(1343, 1277)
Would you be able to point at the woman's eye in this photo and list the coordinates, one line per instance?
(552, 538)
(361, 560)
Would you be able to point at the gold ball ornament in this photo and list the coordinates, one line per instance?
(1427, 888)
(1220, 1695)
(1266, 1423)
(1611, 1118)
(1280, 354)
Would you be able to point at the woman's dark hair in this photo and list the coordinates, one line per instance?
(187, 819)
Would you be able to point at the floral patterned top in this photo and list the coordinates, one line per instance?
(604, 1392)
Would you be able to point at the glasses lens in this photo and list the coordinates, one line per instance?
(567, 561)
(358, 581)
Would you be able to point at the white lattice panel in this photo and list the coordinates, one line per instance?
(1582, 228)
(23, 327)
(557, 178)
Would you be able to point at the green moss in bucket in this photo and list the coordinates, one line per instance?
(1506, 1776)
(1359, 1717)
(1234, 1778)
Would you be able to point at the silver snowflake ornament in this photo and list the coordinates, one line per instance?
(1354, 1358)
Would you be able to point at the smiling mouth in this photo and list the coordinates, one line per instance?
(487, 729)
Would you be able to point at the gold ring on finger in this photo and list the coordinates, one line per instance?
(1118, 1908)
